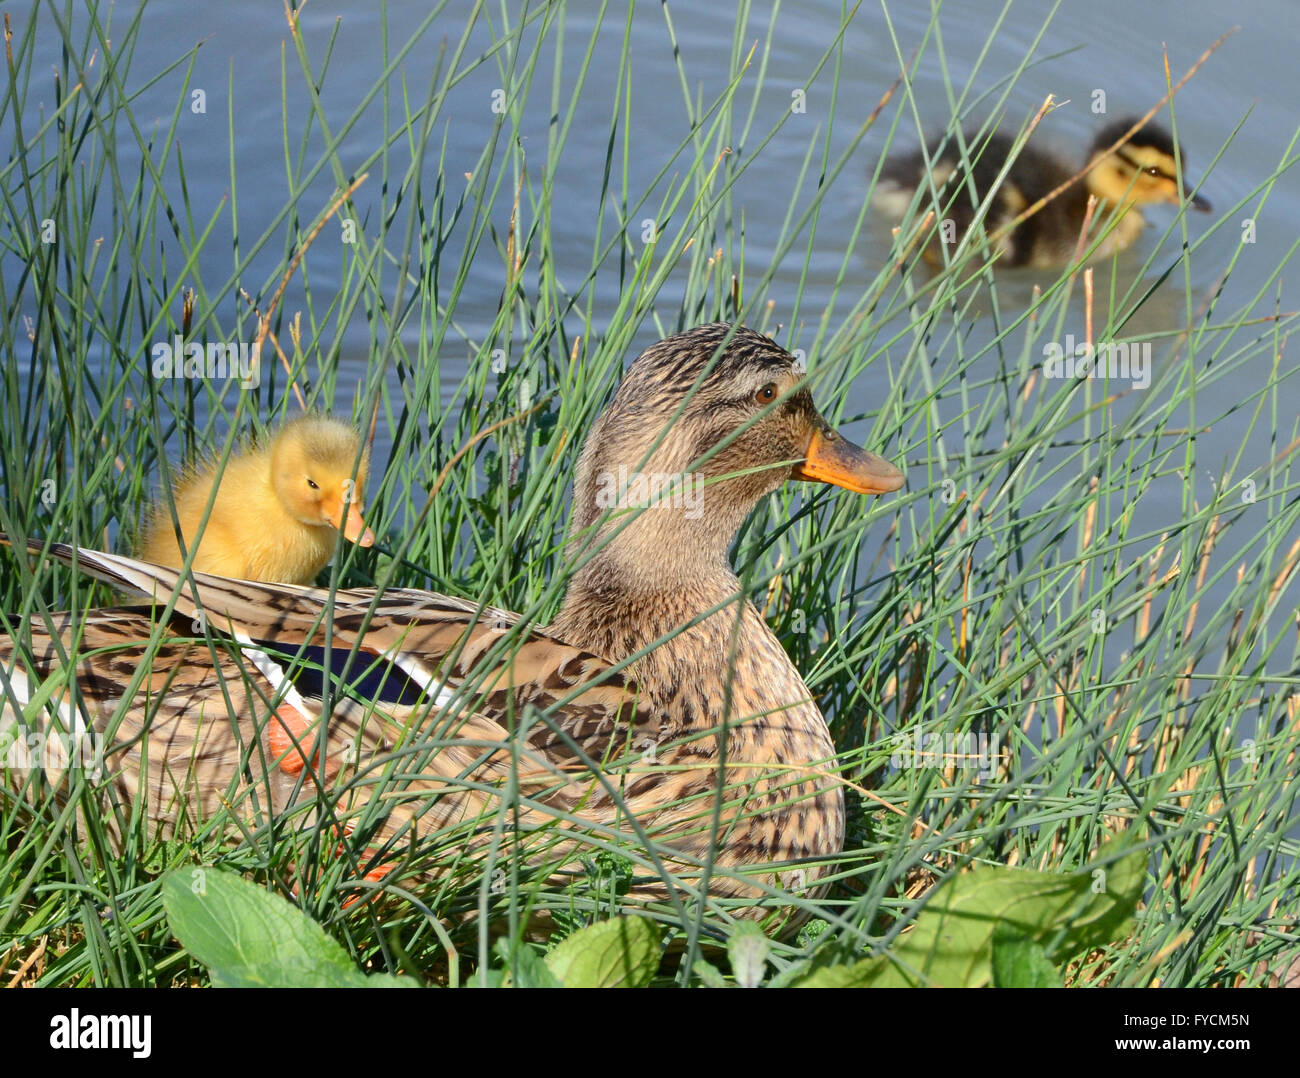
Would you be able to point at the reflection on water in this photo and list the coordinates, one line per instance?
(1112, 46)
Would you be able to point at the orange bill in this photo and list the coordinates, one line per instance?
(347, 518)
(832, 459)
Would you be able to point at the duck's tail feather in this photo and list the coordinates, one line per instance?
(250, 611)
(158, 582)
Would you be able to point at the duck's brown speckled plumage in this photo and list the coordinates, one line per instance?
(194, 737)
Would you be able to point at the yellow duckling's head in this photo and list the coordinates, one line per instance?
(312, 462)
(1142, 171)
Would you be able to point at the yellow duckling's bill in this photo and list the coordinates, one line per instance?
(346, 517)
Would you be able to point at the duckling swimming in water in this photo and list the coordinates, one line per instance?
(1140, 172)
(278, 510)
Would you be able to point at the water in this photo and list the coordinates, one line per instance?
(1109, 45)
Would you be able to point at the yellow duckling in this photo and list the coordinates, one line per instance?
(278, 510)
(1140, 172)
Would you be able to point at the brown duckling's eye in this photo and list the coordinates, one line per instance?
(312, 483)
(1152, 171)
(767, 394)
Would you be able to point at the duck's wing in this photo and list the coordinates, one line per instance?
(419, 686)
(441, 644)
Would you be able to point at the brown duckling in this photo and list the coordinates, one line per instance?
(1140, 172)
(279, 509)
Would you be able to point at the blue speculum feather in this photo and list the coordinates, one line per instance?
(362, 676)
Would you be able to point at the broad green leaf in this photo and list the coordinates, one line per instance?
(857, 975)
(530, 969)
(619, 953)
(1019, 962)
(748, 949)
(708, 974)
(251, 938)
(790, 974)
(951, 943)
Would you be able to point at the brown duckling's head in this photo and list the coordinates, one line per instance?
(1142, 171)
(312, 463)
(697, 432)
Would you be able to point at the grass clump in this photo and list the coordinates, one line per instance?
(1032, 648)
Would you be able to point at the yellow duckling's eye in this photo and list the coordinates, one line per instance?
(1152, 171)
(767, 394)
(312, 483)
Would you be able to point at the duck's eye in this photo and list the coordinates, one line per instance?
(1152, 171)
(767, 394)
(312, 483)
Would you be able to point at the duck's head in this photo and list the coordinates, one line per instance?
(691, 441)
(1140, 172)
(312, 462)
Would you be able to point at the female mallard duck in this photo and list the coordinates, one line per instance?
(707, 741)
(278, 510)
(1139, 172)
